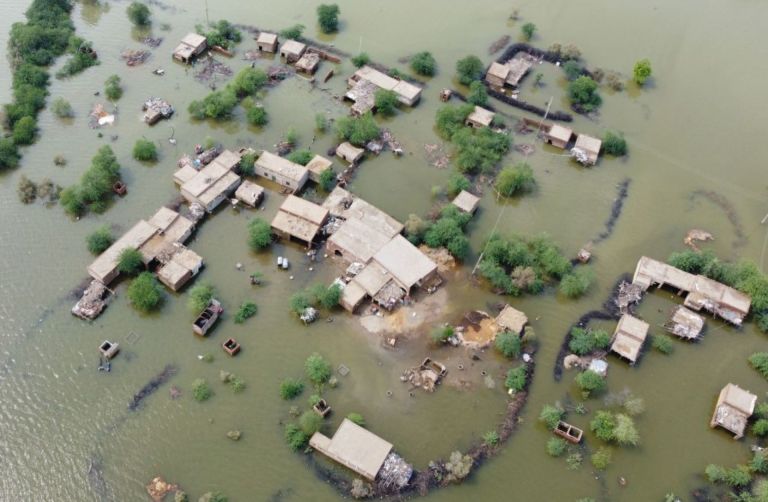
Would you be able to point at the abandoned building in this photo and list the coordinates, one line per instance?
(292, 50)
(363, 97)
(299, 219)
(282, 171)
(355, 448)
(511, 319)
(317, 166)
(466, 202)
(734, 407)
(191, 46)
(349, 152)
(703, 293)
(509, 73)
(308, 63)
(629, 337)
(685, 323)
(267, 42)
(212, 184)
(407, 93)
(586, 149)
(180, 269)
(480, 117)
(409, 266)
(249, 193)
(156, 109)
(557, 135)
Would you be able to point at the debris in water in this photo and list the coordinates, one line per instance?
(152, 386)
(152, 42)
(158, 488)
(499, 44)
(694, 235)
(618, 203)
(436, 156)
(134, 57)
(211, 70)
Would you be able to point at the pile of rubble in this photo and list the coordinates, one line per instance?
(134, 57)
(628, 294)
(93, 301)
(156, 109)
(394, 474)
(211, 69)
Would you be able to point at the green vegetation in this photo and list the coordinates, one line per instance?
(299, 302)
(293, 32)
(572, 70)
(574, 461)
(424, 64)
(478, 94)
(222, 33)
(199, 296)
(491, 438)
(245, 312)
(291, 388)
(441, 334)
(527, 30)
(248, 81)
(760, 427)
(295, 437)
(476, 149)
(259, 234)
(601, 459)
(456, 183)
(237, 384)
(9, 154)
(517, 265)
(62, 109)
(327, 180)
(256, 115)
(614, 144)
(130, 261)
(361, 60)
(469, 69)
(310, 422)
(145, 293)
(642, 71)
(321, 123)
(448, 232)
(603, 425)
(99, 240)
(551, 415)
(26, 190)
(356, 418)
(219, 104)
(318, 369)
(139, 14)
(95, 189)
(145, 150)
(357, 130)
(590, 382)
(556, 446)
(24, 131)
(328, 18)
(82, 58)
(662, 343)
(634, 406)
(386, 102)
(458, 467)
(583, 94)
(618, 428)
(516, 378)
(300, 156)
(515, 180)
(200, 390)
(508, 343)
(585, 340)
(577, 282)
(759, 361)
(326, 297)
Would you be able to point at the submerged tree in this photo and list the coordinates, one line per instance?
(528, 29)
(583, 94)
(139, 14)
(469, 69)
(318, 369)
(259, 234)
(328, 17)
(424, 64)
(145, 292)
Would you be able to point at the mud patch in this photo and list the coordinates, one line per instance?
(408, 319)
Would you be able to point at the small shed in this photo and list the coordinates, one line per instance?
(558, 135)
(292, 50)
(354, 447)
(466, 202)
(352, 296)
(191, 45)
(350, 153)
(480, 117)
(629, 336)
(497, 74)
(586, 149)
(267, 42)
(317, 166)
(249, 193)
(210, 186)
(182, 267)
(734, 407)
(685, 323)
(511, 319)
(299, 219)
(308, 63)
(282, 171)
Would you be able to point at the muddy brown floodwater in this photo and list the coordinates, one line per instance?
(65, 432)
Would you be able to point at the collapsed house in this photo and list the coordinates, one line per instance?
(364, 83)
(309, 62)
(213, 183)
(702, 293)
(466, 202)
(586, 149)
(93, 301)
(299, 219)
(267, 42)
(426, 376)
(509, 73)
(734, 407)
(479, 118)
(282, 171)
(191, 46)
(685, 323)
(629, 337)
(156, 109)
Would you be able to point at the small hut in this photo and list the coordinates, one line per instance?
(629, 336)
(734, 407)
(586, 149)
(480, 117)
(317, 166)
(267, 42)
(497, 74)
(292, 50)
(685, 323)
(466, 202)
(511, 319)
(249, 193)
(308, 63)
(191, 45)
(349, 152)
(558, 135)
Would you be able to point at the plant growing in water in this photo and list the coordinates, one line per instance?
(246, 311)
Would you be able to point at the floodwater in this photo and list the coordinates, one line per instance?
(65, 430)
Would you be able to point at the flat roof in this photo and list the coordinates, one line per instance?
(359, 239)
(194, 40)
(650, 271)
(738, 398)
(629, 337)
(204, 179)
(249, 192)
(407, 90)
(562, 133)
(295, 226)
(318, 164)
(466, 201)
(282, 166)
(184, 174)
(349, 151)
(184, 51)
(266, 38)
(105, 264)
(355, 447)
(352, 294)
(405, 262)
(498, 70)
(228, 159)
(304, 209)
(512, 319)
(188, 259)
(221, 186)
(372, 278)
(481, 116)
(173, 274)
(174, 226)
(518, 67)
(377, 78)
(292, 47)
(308, 61)
(587, 143)
(338, 201)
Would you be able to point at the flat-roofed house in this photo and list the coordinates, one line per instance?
(629, 336)
(480, 117)
(104, 267)
(317, 166)
(267, 42)
(308, 63)
(355, 448)
(497, 74)
(172, 225)
(292, 50)
(734, 407)
(210, 186)
(408, 266)
(349, 152)
(352, 296)
(586, 149)
(282, 171)
(509, 73)
(191, 45)
(407, 93)
(182, 266)
(511, 319)
(249, 193)
(466, 202)
(299, 219)
(557, 135)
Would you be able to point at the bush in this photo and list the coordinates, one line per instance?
(759, 462)
(590, 382)
(293, 32)
(256, 116)
(248, 81)
(551, 415)
(62, 109)
(625, 432)
(491, 438)
(601, 459)
(99, 240)
(574, 460)
(760, 427)
(9, 154)
(327, 180)
(145, 293)
(357, 130)
(556, 447)
(356, 418)
(318, 369)
(479, 150)
(448, 232)
(328, 18)
(516, 378)
(458, 466)
(300, 156)
(450, 119)
(603, 425)
(662, 343)
(237, 384)
(222, 33)
(24, 131)
(361, 60)
(291, 388)
(508, 343)
(82, 58)
(144, 150)
(576, 283)
(310, 422)
(469, 69)
(424, 64)
(738, 477)
(759, 361)
(642, 71)
(583, 341)
(139, 14)
(457, 183)
(112, 88)
(441, 334)
(321, 123)
(259, 234)
(478, 95)
(298, 303)
(200, 390)
(327, 297)
(614, 144)
(295, 437)
(514, 180)
(130, 261)
(715, 473)
(634, 406)
(528, 29)
(217, 105)
(386, 102)
(583, 94)
(245, 312)
(572, 70)
(95, 187)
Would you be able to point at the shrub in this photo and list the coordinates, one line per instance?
(583, 94)
(199, 296)
(130, 261)
(327, 180)
(759, 361)
(457, 183)
(321, 123)
(144, 150)
(583, 340)
(662, 343)
(300, 156)
(298, 303)
(248, 81)
(26, 190)
(603, 425)
(642, 71)
(247, 163)
(328, 17)
(715, 473)
(572, 70)
(577, 282)
(99, 240)
(590, 382)
(469, 69)
(760, 427)
(479, 150)
(738, 477)
(528, 29)
(82, 57)
(257, 116)
(291, 388)
(759, 462)
(491, 438)
(634, 406)
(112, 88)
(625, 432)
(145, 293)
(24, 131)
(356, 418)
(245, 312)
(310, 422)
(327, 297)
(295, 437)
(200, 390)
(62, 109)
(458, 466)
(514, 180)
(318, 369)
(358, 130)
(516, 378)
(139, 14)
(237, 384)
(478, 95)
(9, 154)
(222, 33)
(601, 459)
(574, 460)
(614, 144)
(96, 183)
(551, 415)
(259, 234)
(217, 105)
(450, 119)
(424, 64)
(441, 334)
(508, 343)
(293, 32)
(556, 446)
(361, 60)
(386, 102)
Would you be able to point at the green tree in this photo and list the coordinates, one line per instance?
(603, 425)
(298, 303)
(328, 18)
(291, 388)
(130, 261)
(528, 29)
(327, 180)
(469, 69)
(572, 70)
(361, 60)
(625, 432)
(759, 361)
(199, 296)
(139, 14)
(577, 282)
(293, 32)
(256, 116)
(478, 94)
(321, 123)
(301, 157)
(583, 340)
(456, 183)
(62, 109)
(508, 343)
(551, 415)
(556, 446)
(145, 150)
(583, 94)
(590, 382)
(310, 422)
(24, 131)
(514, 180)
(614, 144)
(358, 130)
(491, 438)
(112, 88)
(642, 71)
(248, 81)
(386, 102)
(295, 437)
(145, 293)
(99, 240)
(441, 334)
(9, 154)
(221, 33)
(318, 369)
(601, 459)
(424, 64)
(662, 343)
(259, 234)
(516, 378)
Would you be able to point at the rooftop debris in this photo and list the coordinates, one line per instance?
(685, 323)
(695, 235)
(525, 148)
(156, 108)
(395, 473)
(158, 488)
(152, 386)
(628, 294)
(211, 69)
(135, 57)
(734, 407)
(309, 315)
(277, 73)
(100, 117)
(93, 301)
(427, 375)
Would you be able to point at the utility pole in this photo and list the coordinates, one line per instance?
(207, 21)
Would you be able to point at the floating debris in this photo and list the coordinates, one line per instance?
(100, 117)
(694, 235)
(234, 435)
(134, 57)
(211, 70)
(309, 315)
(158, 488)
(436, 155)
(152, 386)
(152, 42)
(156, 109)
(499, 44)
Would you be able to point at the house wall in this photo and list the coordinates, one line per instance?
(280, 179)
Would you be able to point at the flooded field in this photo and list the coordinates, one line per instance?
(66, 432)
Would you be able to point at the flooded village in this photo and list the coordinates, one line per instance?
(381, 251)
